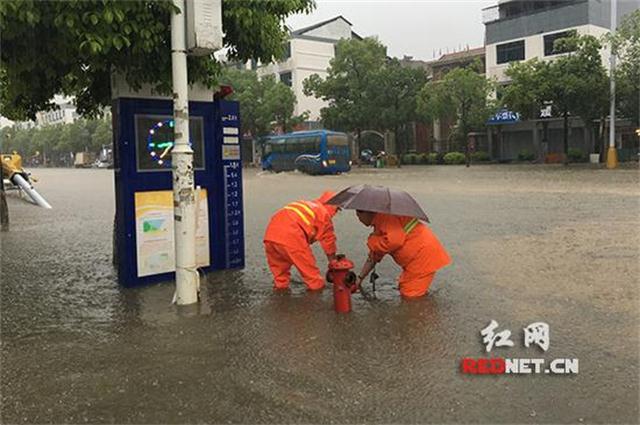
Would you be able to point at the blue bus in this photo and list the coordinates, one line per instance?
(312, 152)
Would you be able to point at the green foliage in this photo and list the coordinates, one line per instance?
(480, 156)
(396, 88)
(454, 158)
(349, 86)
(423, 158)
(71, 47)
(526, 93)
(578, 80)
(432, 158)
(410, 159)
(526, 155)
(262, 102)
(57, 142)
(575, 83)
(461, 96)
(577, 155)
(279, 102)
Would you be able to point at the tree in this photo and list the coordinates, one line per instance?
(248, 91)
(575, 83)
(72, 47)
(578, 83)
(462, 95)
(279, 102)
(396, 96)
(349, 87)
(526, 91)
(102, 135)
(52, 143)
(626, 45)
(263, 102)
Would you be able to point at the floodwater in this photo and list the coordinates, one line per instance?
(529, 244)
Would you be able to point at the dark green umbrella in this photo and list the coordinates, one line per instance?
(378, 199)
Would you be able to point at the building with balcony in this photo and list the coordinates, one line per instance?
(520, 30)
(65, 113)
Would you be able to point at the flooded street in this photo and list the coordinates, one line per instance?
(529, 244)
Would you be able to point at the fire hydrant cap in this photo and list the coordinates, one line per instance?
(341, 263)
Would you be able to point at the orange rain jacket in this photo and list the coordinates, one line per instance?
(289, 236)
(416, 250)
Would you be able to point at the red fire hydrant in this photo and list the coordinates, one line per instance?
(344, 282)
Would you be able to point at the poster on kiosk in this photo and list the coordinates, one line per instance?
(144, 245)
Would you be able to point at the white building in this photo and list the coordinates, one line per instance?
(65, 114)
(520, 30)
(523, 30)
(308, 52)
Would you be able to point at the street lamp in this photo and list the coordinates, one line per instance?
(612, 154)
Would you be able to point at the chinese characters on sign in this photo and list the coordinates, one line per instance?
(504, 116)
(500, 339)
(537, 333)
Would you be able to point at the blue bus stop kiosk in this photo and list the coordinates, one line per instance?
(144, 223)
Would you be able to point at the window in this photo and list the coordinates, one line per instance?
(304, 145)
(285, 78)
(310, 145)
(277, 145)
(510, 52)
(549, 42)
(287, 51)
(337, 140)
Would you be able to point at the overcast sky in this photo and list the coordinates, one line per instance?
(408, 27)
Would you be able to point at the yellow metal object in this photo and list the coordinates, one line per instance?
(612, 158)
(11, 164)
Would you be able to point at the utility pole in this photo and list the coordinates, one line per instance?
(612, 154)
(187, 278)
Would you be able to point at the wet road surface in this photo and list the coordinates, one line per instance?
(529, 243)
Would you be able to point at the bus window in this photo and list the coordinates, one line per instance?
(278, 145)
(308, 145)
(337, 140)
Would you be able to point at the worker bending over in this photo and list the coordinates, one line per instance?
(412, 245)
(289, 236)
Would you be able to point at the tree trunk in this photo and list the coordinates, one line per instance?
(545, 140)
(4, 209)
(399, 146)
(566, 136)
(601, 147)
(356, 145)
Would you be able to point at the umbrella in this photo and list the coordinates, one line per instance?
(378, 199)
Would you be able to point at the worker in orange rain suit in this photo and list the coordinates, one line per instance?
(290, 234)
(411, 244)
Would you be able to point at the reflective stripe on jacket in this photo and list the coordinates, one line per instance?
(301, 223)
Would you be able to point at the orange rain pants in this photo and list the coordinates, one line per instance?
(419, 252)
(280, 259)
(289, 236)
